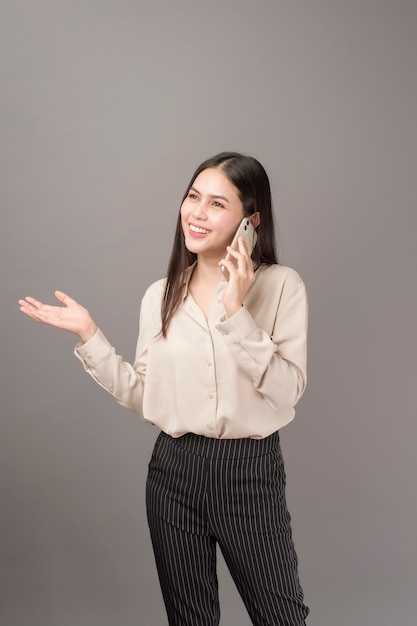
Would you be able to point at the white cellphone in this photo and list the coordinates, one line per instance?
(249, 236)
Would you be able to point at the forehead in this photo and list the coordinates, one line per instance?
(213, 181)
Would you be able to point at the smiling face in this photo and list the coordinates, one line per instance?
(210, 214)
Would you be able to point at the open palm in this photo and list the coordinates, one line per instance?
(71, 317)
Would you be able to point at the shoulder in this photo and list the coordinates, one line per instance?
(279, 277)
(156, 289)
(153, 295)
(150, 308)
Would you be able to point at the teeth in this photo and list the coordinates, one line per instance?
(196, 229)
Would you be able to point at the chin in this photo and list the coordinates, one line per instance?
(191, 246)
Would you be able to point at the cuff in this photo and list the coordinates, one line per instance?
(238, 326)
(94, 350)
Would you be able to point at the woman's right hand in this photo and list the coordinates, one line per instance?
(71, 317)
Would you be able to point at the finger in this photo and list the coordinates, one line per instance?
(243, 249)
(233, 253)
(25, 305)
(32, 302)
(230, 266)
(225, 262)
(244, 262)
(30, 312)
(64, 298)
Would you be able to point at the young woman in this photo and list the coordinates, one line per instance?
(219, 367)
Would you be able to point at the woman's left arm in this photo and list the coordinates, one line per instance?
(276, 363)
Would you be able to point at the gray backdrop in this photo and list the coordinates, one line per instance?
(107, 107)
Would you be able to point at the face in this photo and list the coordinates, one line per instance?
(210, 214)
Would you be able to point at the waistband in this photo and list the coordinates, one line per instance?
(222, 449)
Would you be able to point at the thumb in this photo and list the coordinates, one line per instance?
(63, 297)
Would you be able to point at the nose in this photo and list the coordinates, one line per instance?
(199, 210)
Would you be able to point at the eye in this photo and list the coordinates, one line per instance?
(192, 195)
(218, 204)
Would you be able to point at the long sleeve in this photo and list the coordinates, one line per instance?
(124, 381)
(276, 363)
(111, 372)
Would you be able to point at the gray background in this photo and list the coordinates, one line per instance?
(107, 107)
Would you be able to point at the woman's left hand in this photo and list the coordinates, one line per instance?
(241, 277)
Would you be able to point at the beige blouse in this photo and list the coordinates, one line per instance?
(217, 377)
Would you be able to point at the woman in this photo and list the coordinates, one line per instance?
(219, 366)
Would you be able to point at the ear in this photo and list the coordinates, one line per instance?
(255, 219)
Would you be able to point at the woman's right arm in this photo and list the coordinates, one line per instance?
(122, 380)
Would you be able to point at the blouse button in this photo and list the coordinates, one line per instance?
(211, 396)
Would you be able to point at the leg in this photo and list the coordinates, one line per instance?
(264, 570)
(252, 526)
(186, 565)
(185, 550)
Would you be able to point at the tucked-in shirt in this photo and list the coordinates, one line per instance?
(219, 377)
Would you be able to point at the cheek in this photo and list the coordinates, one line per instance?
(186, 208)
(229, 228)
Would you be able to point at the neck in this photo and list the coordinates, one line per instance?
(207, 270)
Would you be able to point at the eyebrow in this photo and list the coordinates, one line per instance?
(210, 195)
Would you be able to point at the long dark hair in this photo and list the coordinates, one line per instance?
(252, 184)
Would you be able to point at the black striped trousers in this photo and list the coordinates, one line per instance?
(202, 492)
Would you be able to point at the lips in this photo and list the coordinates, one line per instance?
(198, 231)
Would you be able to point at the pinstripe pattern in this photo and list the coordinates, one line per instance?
(203, 491)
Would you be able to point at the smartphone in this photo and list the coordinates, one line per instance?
(249, 236)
